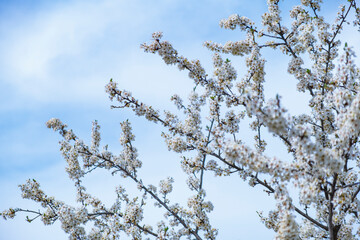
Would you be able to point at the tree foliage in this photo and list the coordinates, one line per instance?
(321, 175)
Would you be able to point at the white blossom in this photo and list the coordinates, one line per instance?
(316, 187)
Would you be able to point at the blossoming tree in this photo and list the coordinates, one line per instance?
(322, 173)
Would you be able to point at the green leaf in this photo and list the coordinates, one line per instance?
(308, 71)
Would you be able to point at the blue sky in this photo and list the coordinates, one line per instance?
(57, 56)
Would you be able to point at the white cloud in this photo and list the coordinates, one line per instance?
(67, 53)
(62, 31)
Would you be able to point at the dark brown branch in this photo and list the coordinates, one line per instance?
(271, 190)
(162, 203)
(204, 158)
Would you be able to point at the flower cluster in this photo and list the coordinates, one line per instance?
(166, 186)
(235, 20)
